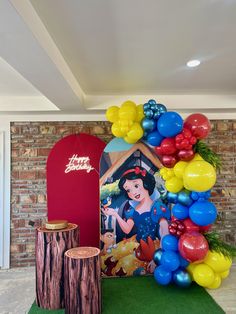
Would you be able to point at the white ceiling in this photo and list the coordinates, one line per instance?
(82, 56)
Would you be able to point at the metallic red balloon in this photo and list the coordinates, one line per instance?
(198, 124)
(186, 155)
(190, 225)
(193, 246)
(168, 161)
(204, 229)
(168, 146)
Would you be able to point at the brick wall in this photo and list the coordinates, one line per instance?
(30, 146)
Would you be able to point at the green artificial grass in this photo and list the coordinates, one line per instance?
(141, 295)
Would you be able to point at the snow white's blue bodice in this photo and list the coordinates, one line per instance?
(147, 223)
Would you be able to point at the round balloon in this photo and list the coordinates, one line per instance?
(148, 124)
(157, 256)
(224, 274)
(116, 130)
(183, 262)
(203, 275)
(216, 283)
(199, 176)
(184, 198)
(154, 138)
(170, 260)
(203, 213)
(179, 168)
(180, 211)
(170, 124)
(182, 278)
(198, 124)
(135, 132)
(162, 275)
(112, 114)
(218, 262)
(167, 160)
(193, 246)
(190, 226)
(174, 185)
(169, 243)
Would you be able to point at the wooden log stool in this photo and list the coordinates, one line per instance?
(50, 248)
(82, 281)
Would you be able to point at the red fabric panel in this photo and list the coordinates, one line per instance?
(74, 195)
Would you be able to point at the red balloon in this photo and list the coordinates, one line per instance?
(186, 155)
(168, 161)
(193, 246)
(168, 146)
(158, 150)
(190, 225)
(204, 229)
(198, 124)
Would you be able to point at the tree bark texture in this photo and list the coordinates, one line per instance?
(82, 281)
(50, 248)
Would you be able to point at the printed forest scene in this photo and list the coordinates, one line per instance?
(134, 210)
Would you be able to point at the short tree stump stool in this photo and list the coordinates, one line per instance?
(50, 248)
(82, 281)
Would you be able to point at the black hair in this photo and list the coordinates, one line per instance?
(148, 179)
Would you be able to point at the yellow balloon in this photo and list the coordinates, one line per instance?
(224, 274)
(216, 283)
(128, 111)
(128, 103)
(218, 262)
(199, 176)
(116, 130)
(136, 132)
(203, 275)
(139, 113)
(190, 268)
(125, 125)
(112, 114)
(163, 171)
(174, 185)
(179, 168)
(130, 140)
(197, 157)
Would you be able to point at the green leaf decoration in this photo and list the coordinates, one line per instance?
(207, 154)
(216, 244)
(110, 189)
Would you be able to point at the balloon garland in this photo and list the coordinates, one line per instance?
(189, 252)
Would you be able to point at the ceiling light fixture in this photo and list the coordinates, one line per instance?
(193, 63)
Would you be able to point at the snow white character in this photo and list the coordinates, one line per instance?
(146, 212)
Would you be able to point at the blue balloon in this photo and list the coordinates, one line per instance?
(157, 256)
(148, 113)
(146, 106)
(203, 213)
(201, 195)
(154, 138)
(172, 197)
(162, 275)
(152, 102)
(148, 125)
(156, 115)
(162, 108)
(170, 124)
(170, 260)
(182, 278)
(183, 262)
(180, 211)
(169, 243)
(184, 198)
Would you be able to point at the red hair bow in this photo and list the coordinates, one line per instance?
(136, 170)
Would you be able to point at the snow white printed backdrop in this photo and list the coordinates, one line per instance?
(156, 178)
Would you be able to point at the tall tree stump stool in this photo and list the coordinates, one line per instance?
(82, 281)
(50, 248)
